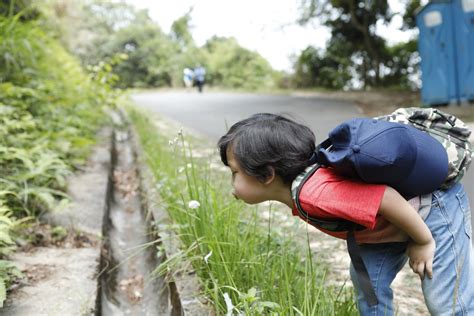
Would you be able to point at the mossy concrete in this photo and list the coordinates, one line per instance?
(63, 281)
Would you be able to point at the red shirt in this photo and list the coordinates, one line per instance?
(327, 195)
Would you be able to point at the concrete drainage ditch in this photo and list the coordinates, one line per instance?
(113, 202)
(127, 261)
(129, 252)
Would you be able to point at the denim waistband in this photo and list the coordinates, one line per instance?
(439, 194)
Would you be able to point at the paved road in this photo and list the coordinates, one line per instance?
(210, 113)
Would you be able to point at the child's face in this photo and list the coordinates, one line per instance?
(246, 188)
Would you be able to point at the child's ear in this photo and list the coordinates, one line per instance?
(271, 176)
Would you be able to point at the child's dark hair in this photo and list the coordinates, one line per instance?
(267, 140)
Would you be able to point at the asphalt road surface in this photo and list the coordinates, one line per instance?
(212, 113)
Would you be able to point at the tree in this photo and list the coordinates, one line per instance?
(14, 7)
(96, 30)
(402, 65)
(180, 31)
(327, 69)
(84, 27)
(409, 21)
(149, 51)
(354, 22)
(231, 65)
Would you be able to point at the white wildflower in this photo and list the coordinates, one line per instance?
(193, 204)
(180, 132)
(189, 165)
(171, 143)
(228, 303)
(180, 169)
(207, 256)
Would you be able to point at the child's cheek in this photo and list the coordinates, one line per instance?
(236, 191)
(235, 188)
(239, 189)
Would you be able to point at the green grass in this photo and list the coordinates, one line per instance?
(234, 250)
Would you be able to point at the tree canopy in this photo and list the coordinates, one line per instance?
(355, 56)
(357, 46)
(155, 59)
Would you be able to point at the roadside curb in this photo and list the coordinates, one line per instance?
(88, 190)
(184, 286)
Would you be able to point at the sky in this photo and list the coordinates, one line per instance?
(265, 26)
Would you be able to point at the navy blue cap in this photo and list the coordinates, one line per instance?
(376, 151)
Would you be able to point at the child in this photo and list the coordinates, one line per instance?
(267, 152)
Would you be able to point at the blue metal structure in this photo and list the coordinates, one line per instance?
(446, 47)
(463, 12)
(435, 45)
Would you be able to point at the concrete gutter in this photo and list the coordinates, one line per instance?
(184, 285)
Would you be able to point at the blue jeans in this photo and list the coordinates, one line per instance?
(451, 290)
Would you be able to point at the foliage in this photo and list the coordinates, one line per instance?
(149, 52)
(8, 271)
(329, 69)
(108, 29)
(11, 8)
(47, 125)
(403, 64)
(247, 265)
(356, 55)
(98, 30)
(231, 65)
(48, 118)
(409, 21)
(50, 110)
(105, 80)
(17, 57)
(6, 225)
(367, 56)
(181, 31)
(83, 27)
(59, 233)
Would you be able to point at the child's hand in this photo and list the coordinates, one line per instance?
(421, 257)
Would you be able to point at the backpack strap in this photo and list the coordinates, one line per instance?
(361, 270)
(339, 226)
(330, 225)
